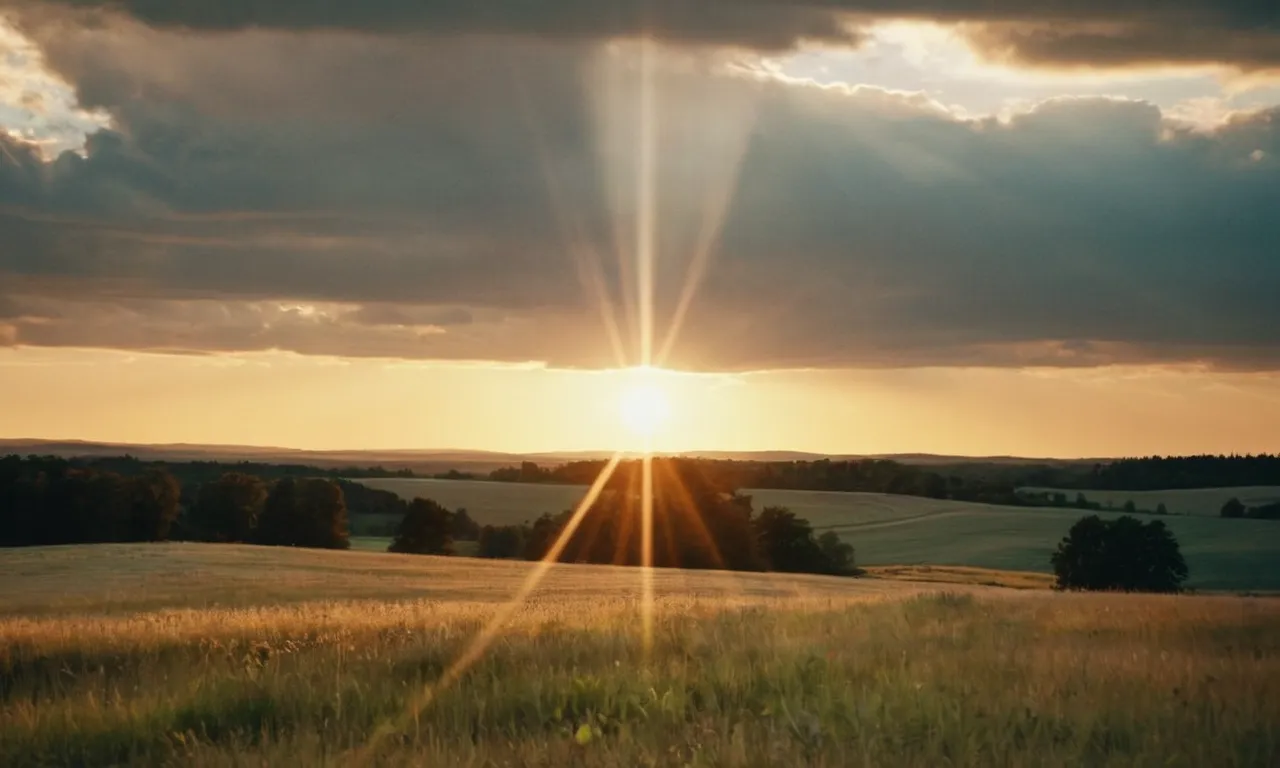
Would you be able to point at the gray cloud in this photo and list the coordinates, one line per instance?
(1243, 33)
(348, 203)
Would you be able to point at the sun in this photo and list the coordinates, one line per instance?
(644, 408)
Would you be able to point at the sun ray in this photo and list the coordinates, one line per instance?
(586, 257)
(646, 551)
(715, 211)
(486, 636)
(676, 484)
(646, 222)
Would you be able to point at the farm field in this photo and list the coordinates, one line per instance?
(908, 530)
(216, 655)
(1189, 501)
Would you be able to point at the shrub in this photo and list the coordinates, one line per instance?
(1233, 508)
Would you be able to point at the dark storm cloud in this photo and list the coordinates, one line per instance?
(258, 191)
(1243, 33)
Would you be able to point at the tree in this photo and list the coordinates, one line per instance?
(304, 513)
(425, 530)
(502, 542)
(1122, 554)
(227, 509)
(1266, 511)
(1130, 507)
(153, 506)
(324, 512)
(837, 553)
(1161, 509)
(463, 527)
(787, 543)
(1233, 508)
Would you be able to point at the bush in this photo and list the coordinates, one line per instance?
(1266, 512)
(1233, 508)
(1122, 554)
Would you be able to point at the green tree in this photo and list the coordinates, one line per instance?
(324, 512)
(153, 505)
(1233, 508)
(463, 527)
(502, 542)
(278, 524)
(786, 542)
(1122, 554)
(425, 530)
(837, 553)
(304, 513)
(1161, 509)
(227, 509)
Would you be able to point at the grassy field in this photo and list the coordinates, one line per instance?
(1192, 501)
(908, 530)
(220, 655)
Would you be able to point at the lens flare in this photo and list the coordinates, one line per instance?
(644, 409)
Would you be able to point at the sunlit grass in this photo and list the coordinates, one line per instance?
(850, 672)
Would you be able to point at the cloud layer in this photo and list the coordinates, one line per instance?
(475, 197)
(1241, 33)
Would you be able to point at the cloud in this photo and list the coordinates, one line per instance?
(476, 199)
(1242, 33)
(1131, 43)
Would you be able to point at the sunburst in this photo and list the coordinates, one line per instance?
(644, 407)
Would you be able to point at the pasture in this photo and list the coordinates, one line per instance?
(1187, 501)
(887, 530)
(219, 655)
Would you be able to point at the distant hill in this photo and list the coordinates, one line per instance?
(418, 460)
(443, 459)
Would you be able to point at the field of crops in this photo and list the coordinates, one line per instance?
(907, 530)
(220, 655)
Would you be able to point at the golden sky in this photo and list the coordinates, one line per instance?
(288, 400)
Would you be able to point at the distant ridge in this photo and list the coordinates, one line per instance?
(434, 460)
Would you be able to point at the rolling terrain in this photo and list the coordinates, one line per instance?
(909, 530)
(219, 655)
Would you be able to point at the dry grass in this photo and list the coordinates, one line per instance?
(952, 574)
(198, 669)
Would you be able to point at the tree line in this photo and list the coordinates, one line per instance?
(861, 475)
(986, 482)
(1234, 508)
(698, 521)
(48, 500)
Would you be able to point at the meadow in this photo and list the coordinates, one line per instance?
(220, 655)
(889, 530)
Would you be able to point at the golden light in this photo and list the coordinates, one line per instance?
(644, 408)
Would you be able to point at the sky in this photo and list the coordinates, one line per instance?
(1042, 228)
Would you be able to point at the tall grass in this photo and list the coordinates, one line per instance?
(897, 677)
